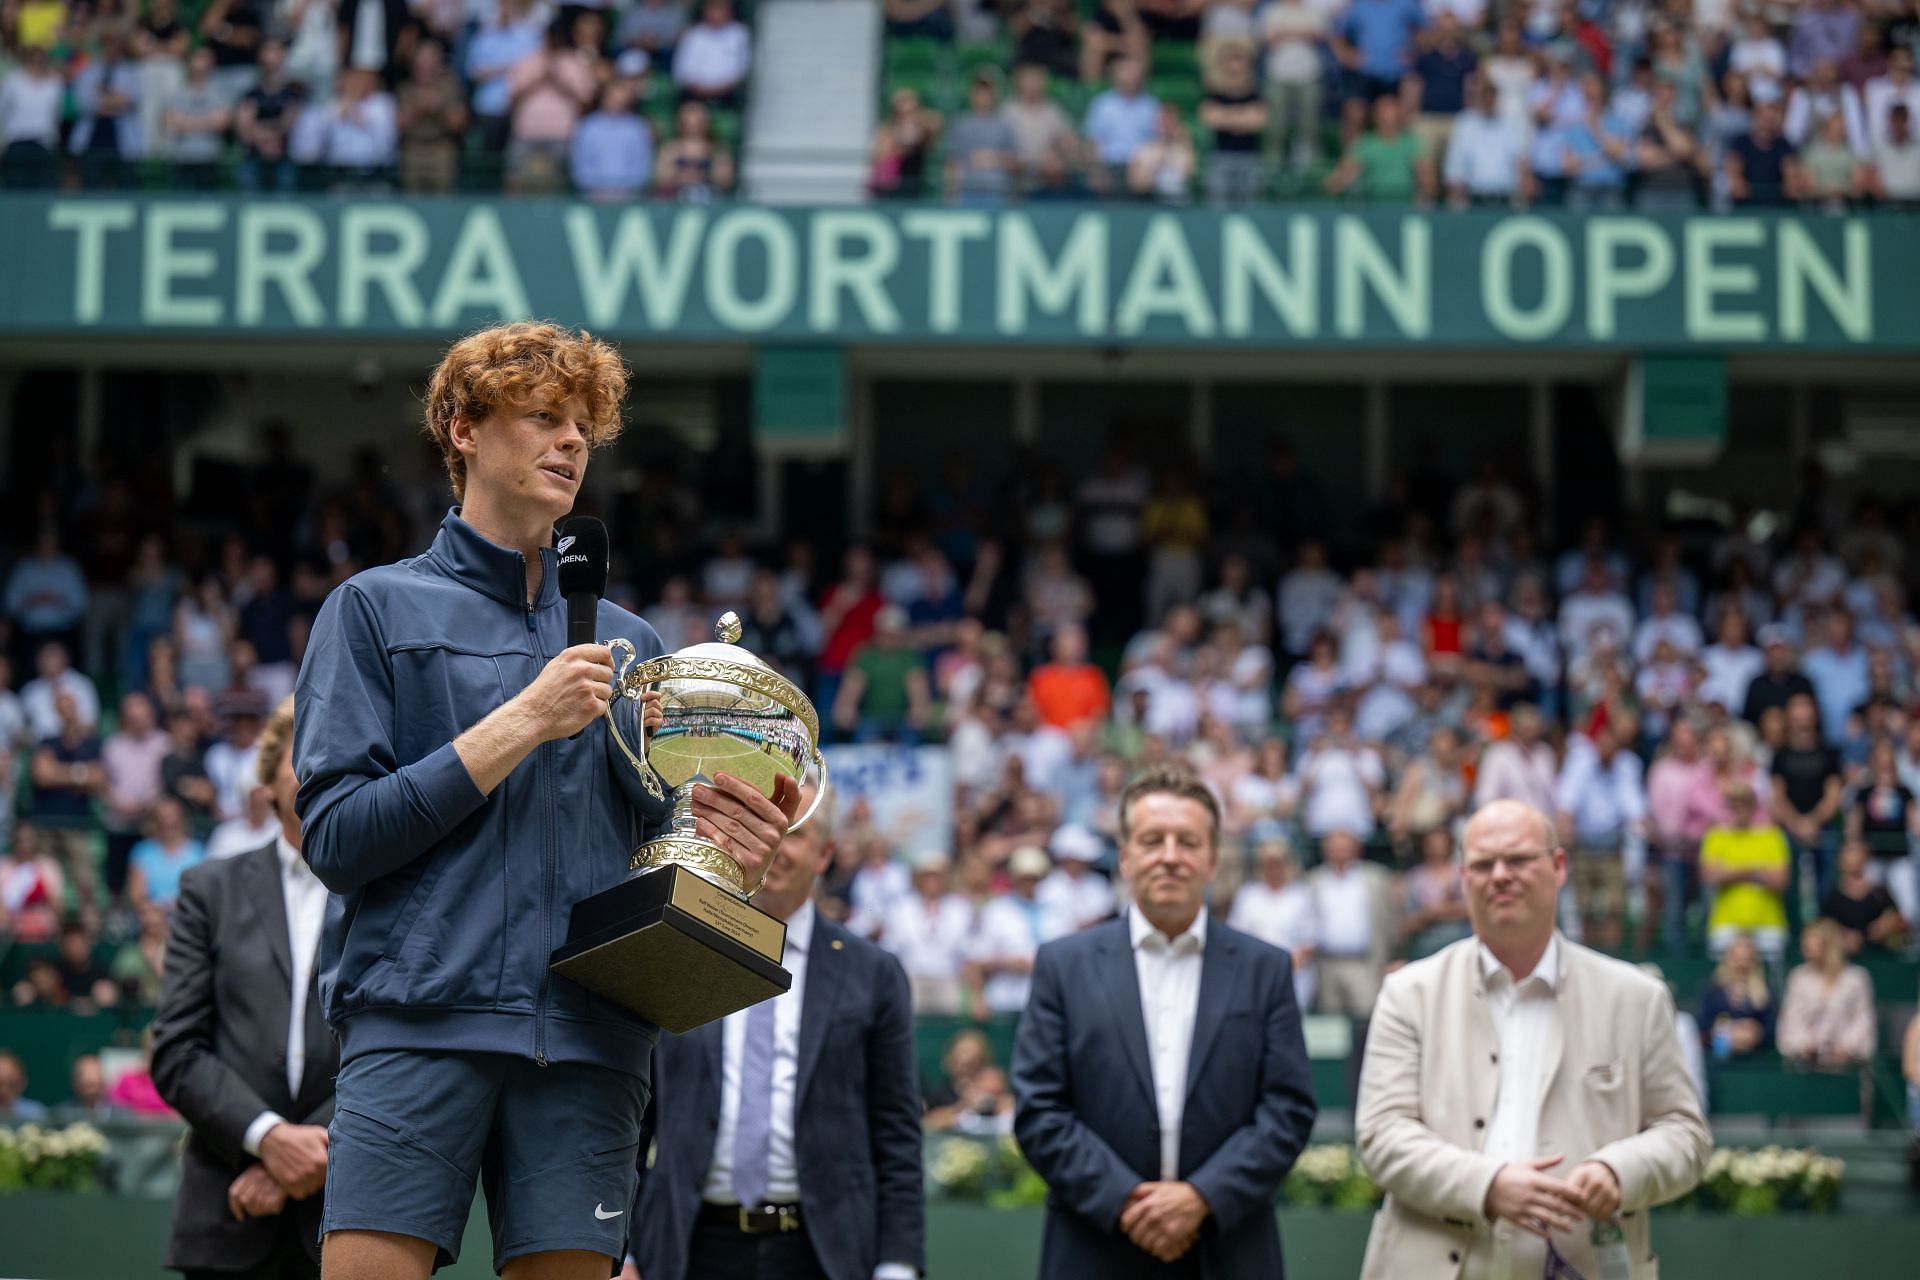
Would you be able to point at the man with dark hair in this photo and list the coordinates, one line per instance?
(1126, 1020)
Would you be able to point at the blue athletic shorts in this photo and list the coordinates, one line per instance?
(555, 1147)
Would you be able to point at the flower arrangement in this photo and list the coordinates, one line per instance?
(1771, 1180)
(989, 1170)
(36, 1159)
(1329, 1176)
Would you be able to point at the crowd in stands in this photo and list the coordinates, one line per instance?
(615, 102)
(1721, 720)
(1588, 104)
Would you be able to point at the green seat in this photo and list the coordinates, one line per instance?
(915, 53)
(1176, 57)
(970, 58)
(1183, 92)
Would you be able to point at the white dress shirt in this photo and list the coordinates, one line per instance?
(1523, 1014)
(1606, 799)
(1343, 906)
(783, 1169)
(306, 903)
(709, 57)
(1169, 973)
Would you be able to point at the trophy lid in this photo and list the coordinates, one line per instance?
(723, 647)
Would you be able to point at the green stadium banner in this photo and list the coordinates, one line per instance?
(1321, 277)
(800, 394)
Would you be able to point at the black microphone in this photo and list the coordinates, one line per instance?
(583, 576)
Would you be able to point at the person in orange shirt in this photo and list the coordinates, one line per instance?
(1070, 690)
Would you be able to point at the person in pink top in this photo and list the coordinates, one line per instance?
(1727, 762)
(551, 90)
(1674, 879)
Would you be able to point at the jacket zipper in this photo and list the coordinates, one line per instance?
(543, 788)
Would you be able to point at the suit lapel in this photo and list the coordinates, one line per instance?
(270, 904)
(1556, 1026)
(1122, 984)
(819, 1002)
(1216, 987)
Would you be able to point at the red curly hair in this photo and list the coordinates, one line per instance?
(511, 365)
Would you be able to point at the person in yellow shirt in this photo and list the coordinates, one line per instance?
(1745, 865)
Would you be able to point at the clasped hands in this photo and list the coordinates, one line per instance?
(293, 1165)
(1524, 1194)
(1163, 1218)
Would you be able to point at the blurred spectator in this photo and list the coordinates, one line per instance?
(1866, 913)
(1436, 91)
(980, 150)
(106, 95)
(133, 1089)
(184, 772)
(230, 761)
(55, 678)
(1736, 1007)
(138, 965)
(430, 119)
(1162, 169)
(1826, 1014)
(712, 58)
(1121, 121)
(1069, 689)
(1433, 911)
(85, 984)
(67, 777)
(1780, 681)
(1601, 800)
(928, 931)
(1046, 35)
(1757, 162)
(1895, 177)
(1011, 929)
(1758, 54)
(1115, 33)
(691, 166)
(30, 103)
(1486, 156)
(653, 27)
(1073, 890)
(1837, 669)
(159, 860)
(32, 887)
(1236, 113)
(46, 594)
(87, 1101)
(1386, 162)
(1290, 31)
(197, 117)
(1374, 41)
(1432, 795)
(15, 1107)
(1807, 791)
(1342, 781)
(1884, 817)
(966, 1056)
(513, 32)
(264, 121)
(1744, 869)
(250, 829)
(1826, 173)
(160, 42)
(131, 758)
(1278, 909)
(551, 89)
(1520, 766)
(1823, 30)
(1353, 910)
(884, 693)
(612, 157)
(902, 145)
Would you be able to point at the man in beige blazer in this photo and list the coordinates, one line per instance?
(1518, 1087)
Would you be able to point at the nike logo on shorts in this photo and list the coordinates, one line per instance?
(600, 1212)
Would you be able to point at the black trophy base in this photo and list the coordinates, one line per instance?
(676, 949)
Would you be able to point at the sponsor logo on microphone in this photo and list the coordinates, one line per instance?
(565, 543)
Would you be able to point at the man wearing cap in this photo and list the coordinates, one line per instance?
(789, 1133)
(1160, 1079)
(1779, 681)
(1012, 927)
(928, 931)
(1074, 891)
(1518, 1088)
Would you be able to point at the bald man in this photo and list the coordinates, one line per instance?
(1519, 1091)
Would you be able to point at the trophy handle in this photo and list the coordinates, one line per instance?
(624, 687)
(819, 792)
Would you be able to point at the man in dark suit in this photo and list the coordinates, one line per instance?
(241, 1050)
(1160, 1078)
(789, 1133)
